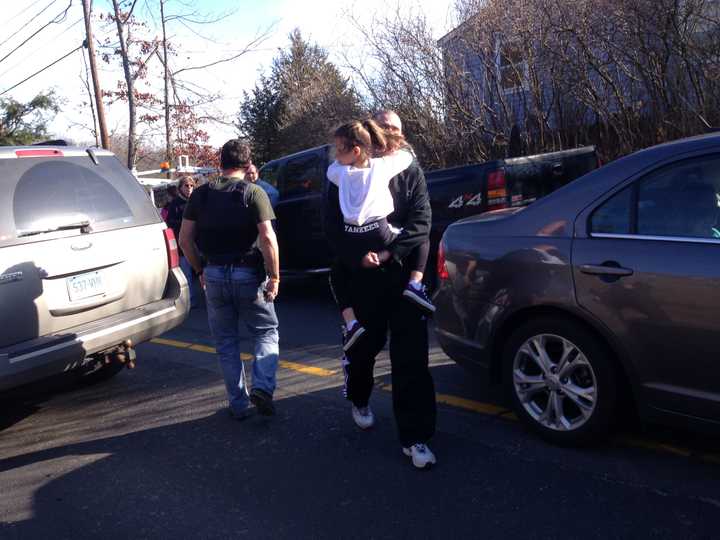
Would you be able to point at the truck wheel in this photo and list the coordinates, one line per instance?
(562, 381)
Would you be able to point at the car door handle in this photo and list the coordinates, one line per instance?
(605, 270)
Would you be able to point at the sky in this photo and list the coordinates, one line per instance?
(323, 22)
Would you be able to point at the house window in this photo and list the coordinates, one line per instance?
(512, 68)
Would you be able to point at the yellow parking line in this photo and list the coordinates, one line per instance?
(656, 446)
(310, 370)
(302, 368)
(172, 343)
(468, 404)
(203, 348)
(453, 401)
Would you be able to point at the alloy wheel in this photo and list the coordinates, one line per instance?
(554, 382)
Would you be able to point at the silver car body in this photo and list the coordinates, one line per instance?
(68, 293)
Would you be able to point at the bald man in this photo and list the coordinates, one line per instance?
(389, 120)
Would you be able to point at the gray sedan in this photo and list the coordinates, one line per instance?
(601, 299)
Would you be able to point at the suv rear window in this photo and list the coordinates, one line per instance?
(39, 194)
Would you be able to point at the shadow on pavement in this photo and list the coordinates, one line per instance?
(20, 403)
(310, 473)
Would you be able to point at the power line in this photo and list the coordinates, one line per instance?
(36, 2)
(58, 19)
(41, 70)
(42, 46)
(24, 26)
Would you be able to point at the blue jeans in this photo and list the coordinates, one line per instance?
(186, 268)
(234, 294)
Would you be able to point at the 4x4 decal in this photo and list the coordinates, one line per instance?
(468, 199)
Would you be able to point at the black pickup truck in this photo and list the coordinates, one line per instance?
(454, 193)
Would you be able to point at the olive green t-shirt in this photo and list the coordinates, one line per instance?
(226, 221)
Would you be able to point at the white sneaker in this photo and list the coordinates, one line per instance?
(421, 455)
(363, 416)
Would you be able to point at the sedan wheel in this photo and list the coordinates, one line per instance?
(562, 381)
(554, 382)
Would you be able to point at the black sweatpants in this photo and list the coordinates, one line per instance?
(376, 297)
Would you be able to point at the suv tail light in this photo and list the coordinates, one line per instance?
(40, 152)
(172, 249)
(496, 190)
(442, 271)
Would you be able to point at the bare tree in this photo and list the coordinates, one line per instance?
(180, 105)
(121, 20)
(405, 71)
(621, 74)
(526, 76)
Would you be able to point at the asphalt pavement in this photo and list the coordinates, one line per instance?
(154, 454)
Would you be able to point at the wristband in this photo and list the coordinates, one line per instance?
(274, 279)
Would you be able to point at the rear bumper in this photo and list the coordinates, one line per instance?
(464, 328)
(467, 354)
(48, 355)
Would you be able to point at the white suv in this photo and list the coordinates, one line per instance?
(87, 267)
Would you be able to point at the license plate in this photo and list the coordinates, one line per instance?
(85, 286)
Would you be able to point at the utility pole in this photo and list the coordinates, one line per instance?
(168, 141)
(90, 44)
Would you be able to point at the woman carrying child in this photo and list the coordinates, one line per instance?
(378, 220)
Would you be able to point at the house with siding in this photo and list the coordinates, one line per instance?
(558, 79)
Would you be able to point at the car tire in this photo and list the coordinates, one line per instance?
(569, 394)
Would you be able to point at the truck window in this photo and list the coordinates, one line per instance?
(269, 173)
(300, 176)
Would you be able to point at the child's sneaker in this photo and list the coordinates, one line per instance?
(419, 297)
(421, 456)
(350, 337)
(363, 417)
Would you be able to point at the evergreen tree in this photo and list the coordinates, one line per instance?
(258, 120)
(25, 123)
(299, 104)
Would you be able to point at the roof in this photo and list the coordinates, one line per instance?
(70, 151)
(455, 31)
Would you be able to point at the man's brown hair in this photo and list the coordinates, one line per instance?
(235, 154)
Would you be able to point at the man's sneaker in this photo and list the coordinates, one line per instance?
(263, 401)
(363, 416)
(421, 455)
(350, 337)
(419, 297)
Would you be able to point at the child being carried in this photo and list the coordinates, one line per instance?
(365, 201)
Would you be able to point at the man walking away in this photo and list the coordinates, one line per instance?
(228, 218)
